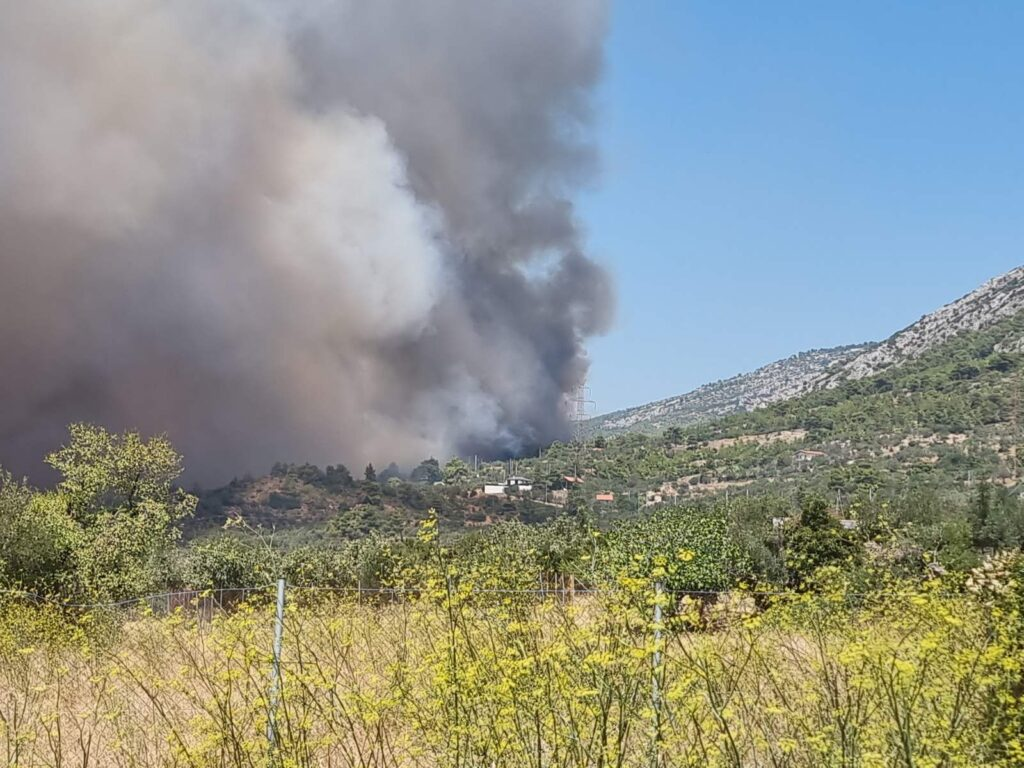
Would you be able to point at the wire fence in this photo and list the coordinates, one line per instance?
(372, 661)
(206, 602)
(212, 600)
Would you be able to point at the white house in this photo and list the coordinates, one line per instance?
(515, 482)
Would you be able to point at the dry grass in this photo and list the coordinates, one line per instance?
(466, 682)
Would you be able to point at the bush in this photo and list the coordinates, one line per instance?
(817, 541)
(686, 548)
(226, 562)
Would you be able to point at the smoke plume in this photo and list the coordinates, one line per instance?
(329, 230)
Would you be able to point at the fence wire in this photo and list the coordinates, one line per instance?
(226, 598)
(500, 677)
(160, 603)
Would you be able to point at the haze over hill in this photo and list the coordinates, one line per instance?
(1001, 297)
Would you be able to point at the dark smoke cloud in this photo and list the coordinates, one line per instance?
(330, 230)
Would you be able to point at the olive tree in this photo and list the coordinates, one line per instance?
(119, 492)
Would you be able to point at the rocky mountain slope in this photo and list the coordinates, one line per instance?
(982, 308)
(997, 299)
(776, 381)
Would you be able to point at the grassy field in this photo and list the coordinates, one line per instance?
(460, 678)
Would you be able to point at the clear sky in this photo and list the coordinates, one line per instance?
(779, 176)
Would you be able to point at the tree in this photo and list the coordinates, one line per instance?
(674, 435)
(576, 504)
(101, 471)
(456, 471)
(338, 477)
(689, 548)
(392, 472)
(123, 508)
(965, 372)
(37, 537)
(552, 479)
(370, 473)
(428, 471)
(227, 561)
(1001, 362)
(995, 518)
(818, 540)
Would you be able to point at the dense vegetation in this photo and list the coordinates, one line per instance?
(919, 461)
(838, 578)
(937, 425)
(866, 669)
(109, 530)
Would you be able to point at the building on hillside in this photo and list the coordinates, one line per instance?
(805, 456)
(514, 483)
(604, 496)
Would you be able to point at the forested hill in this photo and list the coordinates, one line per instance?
(949, 417)
(999, 298)
(943, 410)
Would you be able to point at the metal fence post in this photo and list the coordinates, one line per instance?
(275, 674)
(656, 671)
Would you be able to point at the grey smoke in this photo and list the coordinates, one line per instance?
(330, 230)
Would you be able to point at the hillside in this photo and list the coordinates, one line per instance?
(302, 500)
(939, 422)
(948, 418)
(999, 298)
(937, 406)
(776, 381)
(982, 308)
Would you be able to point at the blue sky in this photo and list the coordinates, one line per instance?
(789, 175)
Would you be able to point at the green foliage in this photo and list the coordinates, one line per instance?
(996, 518)
(999, 584)
(225, 562)
(37, 538)
(817, 541)
(456, 471)
(284, 501)
(337, 477)
(391, 472)
(686, 548)
(101, 471)
(428, 471)
(369, 562)
(110, 526)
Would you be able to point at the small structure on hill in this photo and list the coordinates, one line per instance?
(806, 456)
(513, 483)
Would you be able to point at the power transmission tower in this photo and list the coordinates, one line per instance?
(580, 405)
